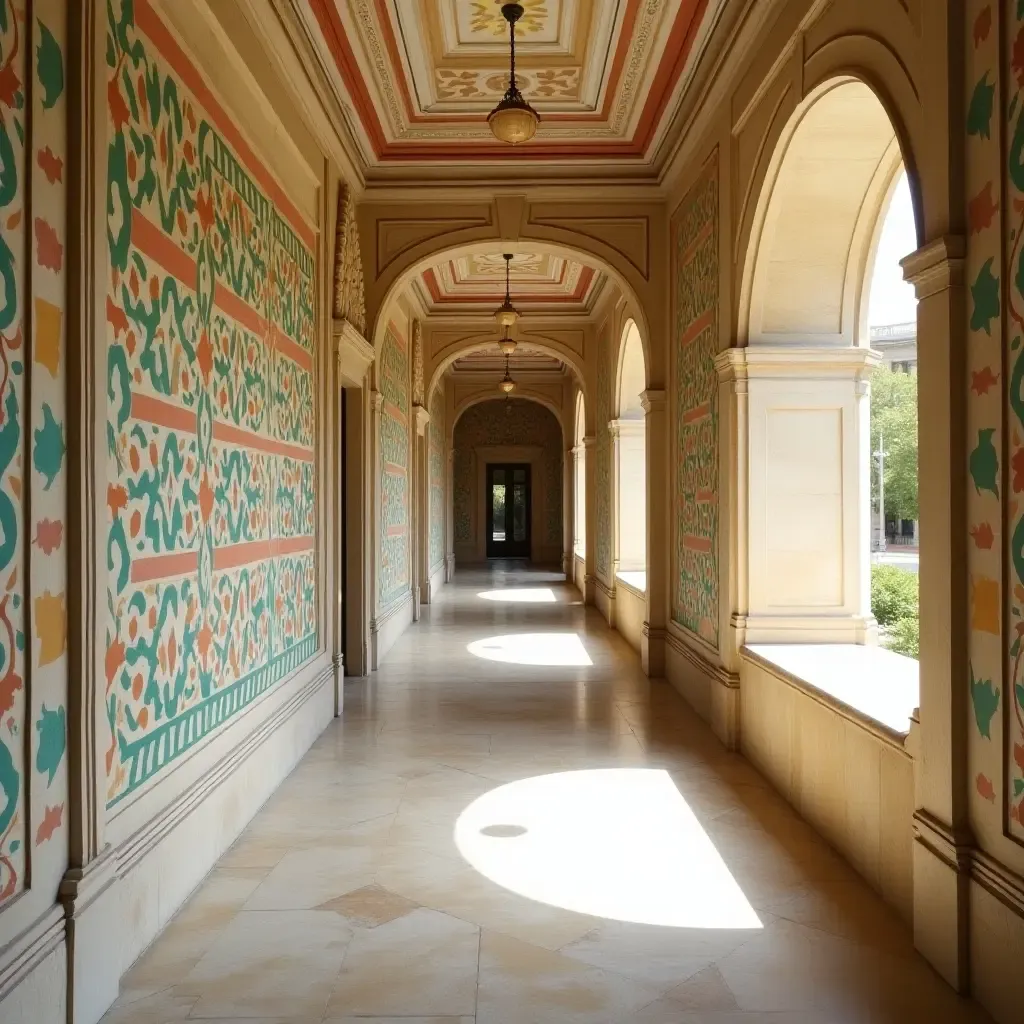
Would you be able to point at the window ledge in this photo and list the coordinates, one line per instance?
(634, 580)
(880, 688)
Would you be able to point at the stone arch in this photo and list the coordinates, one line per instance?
(480, 341)
(630, 373)
(399, 273)
(808, 258)
(526, 393)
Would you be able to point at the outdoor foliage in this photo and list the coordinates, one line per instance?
(894, 424)
(894, 602)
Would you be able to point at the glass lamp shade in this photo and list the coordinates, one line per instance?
(507, 385)
(513, 120)
(507, 346)
(506, 314)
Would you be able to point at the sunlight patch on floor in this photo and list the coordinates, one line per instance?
(618, 843)
(525, 595)
(532, 649)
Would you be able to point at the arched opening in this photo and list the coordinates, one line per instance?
(579, 490)
(630, 461)
(507, 482)
(819, 246)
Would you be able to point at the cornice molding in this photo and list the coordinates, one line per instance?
(936, 266)
(353, 352)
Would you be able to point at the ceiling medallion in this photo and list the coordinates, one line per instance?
(506, 314)
(513, 120)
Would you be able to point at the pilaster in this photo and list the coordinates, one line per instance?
(941, 833)
(652, 645)
(590, 534)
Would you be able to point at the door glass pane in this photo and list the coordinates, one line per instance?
(519, 511)
(519, 476)
(498, 506)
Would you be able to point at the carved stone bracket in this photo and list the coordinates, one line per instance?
(354, 353)
(417, 363)
(349, 303)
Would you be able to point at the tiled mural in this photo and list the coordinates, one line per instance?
(603, 453)
(394, 570)
(436, 471)
(508, 422)
(212, 490)
(33, 435)
(695, 337)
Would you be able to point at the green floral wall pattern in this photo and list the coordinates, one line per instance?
(394, 575)
(436, 472)
(33, 510)
(695, 337)
(210, 433)
(603, 451)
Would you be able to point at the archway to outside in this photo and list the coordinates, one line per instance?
(579, 488)
(630, 439)
(822, 255)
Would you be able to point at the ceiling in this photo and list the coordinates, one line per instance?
(539, 283)
(526, 360)
(418, 77)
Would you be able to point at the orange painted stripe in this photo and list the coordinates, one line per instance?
(702, 236)
(231, 556)
(152, 242)
(395, 413)
(149, 22)
(159, 567)
(164, 414)
(701, 324)
(395, 470)
(228, 433)
(396, 531)
(692, 415)
(697, 544)
(703, 497)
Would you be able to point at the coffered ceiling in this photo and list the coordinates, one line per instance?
(539, 283)
(418, 77)
(490, 362)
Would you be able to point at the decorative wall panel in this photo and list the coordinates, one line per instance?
(603, 452)
(695, 340)
(212, 490)
(436, 471)
(33, 495)
(520, 423)
(394, 576)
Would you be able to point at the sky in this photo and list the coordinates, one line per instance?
(892, 300)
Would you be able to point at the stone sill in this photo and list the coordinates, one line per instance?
(871, 686)
(635, 582)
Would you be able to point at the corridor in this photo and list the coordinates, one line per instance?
(407, 872)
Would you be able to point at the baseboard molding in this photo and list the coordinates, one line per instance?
(387, 626)
(27, 952)
(113, 918)
(708, 687)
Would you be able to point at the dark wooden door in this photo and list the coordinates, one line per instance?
(508, 510)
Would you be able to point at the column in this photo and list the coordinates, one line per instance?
(806, 482)
(420, 506)
(941, 832)
(629, 538)
(568, 511)
(449, 515)
(590, 534)
(376, 406)
(659, 501)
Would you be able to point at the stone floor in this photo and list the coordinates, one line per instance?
(512, 825)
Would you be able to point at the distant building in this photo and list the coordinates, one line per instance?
(897, 344)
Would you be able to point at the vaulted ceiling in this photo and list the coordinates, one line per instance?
(418, 77)
(539, 283)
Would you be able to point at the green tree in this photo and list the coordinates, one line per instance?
(894, 424)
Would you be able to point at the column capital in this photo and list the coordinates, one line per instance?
(353, 352)
(421, 418)
(376, 400)
(653, 400)
(936, 266)
(627, 427)
(589, 441)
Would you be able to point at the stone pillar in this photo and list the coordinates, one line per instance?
(659, 501)
(376, 407)
(449, 515)
(629, 512)
(568, 512)
(941, 835)
(420, 506)
(805, 485)
(590, 534)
